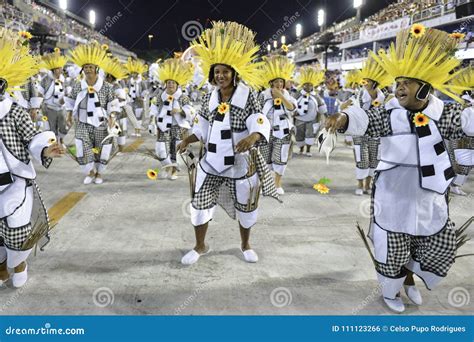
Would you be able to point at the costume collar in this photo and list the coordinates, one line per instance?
(433, 110)
(239, 98)
(176, 95)
(97, 86)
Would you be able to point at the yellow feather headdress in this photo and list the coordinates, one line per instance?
(113, 67)
(17, 65)
(309, 74)
(135, 65)
(54, 60)
(423, 54)
(231, 44)
(464, 80)
(277, 67)
(373, 71)
(353, 78)
(177, 70)
(88, 54)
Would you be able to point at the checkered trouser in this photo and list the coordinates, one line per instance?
(363, 142)
(271, 152)
(91, 137)
(13, 238)
(170, 138)
(373, 147)
(304, 130)
(216, 189)
(434, 253)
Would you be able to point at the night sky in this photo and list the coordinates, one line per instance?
(130, 21)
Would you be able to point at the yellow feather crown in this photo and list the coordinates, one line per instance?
(277, 67)
(373, 71)
(17, 65)
(464, 79)
(54, 60)
(231, 44)
(177, 70)
(113, 67)
(353, 78)
(135, 65)
(88, 54)
(428, 57)
(309, 74)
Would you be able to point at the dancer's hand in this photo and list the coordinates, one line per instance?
(335, 122)
(247, 143)
(54, 150)
(182, 146)
(69, 119)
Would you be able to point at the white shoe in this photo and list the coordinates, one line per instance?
(457, 190)
(395, 304)
(88, 180)
(359, 192)
(192, 257)
(138, 135)
(98, 180)
(173, 177)
(280, 191)
(250, 255)
(19, 279)
(413, 293)
(308, 154)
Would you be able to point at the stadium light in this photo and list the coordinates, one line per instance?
(299, 31)
(283, 40)
(275, 44)
(321, 18)
(269, 47)
(92, 17)
(358, 3)
(63, 4)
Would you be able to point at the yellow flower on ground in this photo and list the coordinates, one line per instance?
(44, 118)
(421, 119)
(260, 120)
(95, 150)
(90, 89)
(321, 188)
(223, 108)
(457, 35)
(417, 30)
(277, 101)
(152, 174)
(25, 35)
(284, 48)
(376, 103)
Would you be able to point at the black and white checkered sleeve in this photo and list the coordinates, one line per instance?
(24, 125)
(379, 122)
(204, 110)
(449, 123)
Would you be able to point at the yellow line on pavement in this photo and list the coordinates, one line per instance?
(64, 205)
(134, 145)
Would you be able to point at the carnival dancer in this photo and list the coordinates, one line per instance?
(278, 105)
(93, 107)
(410, 228)
(171, 111)
(137, 91)
(229, 124)
(19, 140)
(310, 108)
(53, 90)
